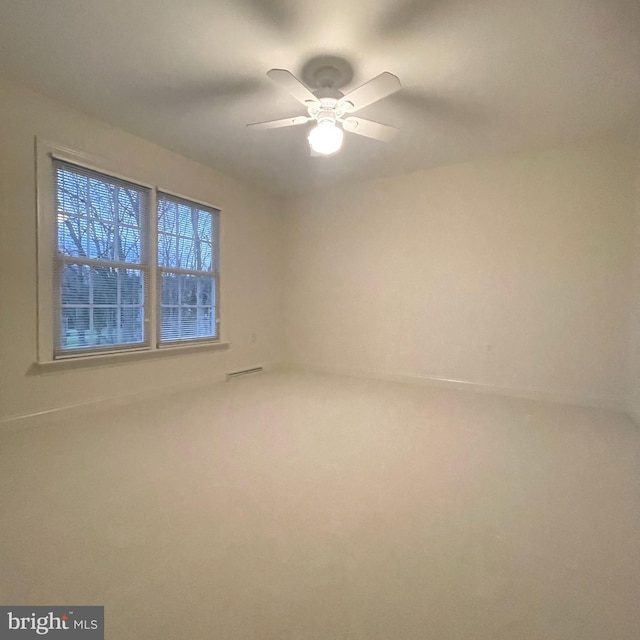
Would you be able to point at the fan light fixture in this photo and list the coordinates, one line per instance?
(330, 109)
(326, 138)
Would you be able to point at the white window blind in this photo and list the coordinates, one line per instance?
(101, 266)
(188, 269)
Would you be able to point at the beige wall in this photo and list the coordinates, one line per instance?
(251, 251)
(512, 272)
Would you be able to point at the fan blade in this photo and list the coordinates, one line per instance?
(288, 81)
(284, 122)
(379, 87)
(370, 129)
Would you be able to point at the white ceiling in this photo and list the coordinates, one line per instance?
(479, 76)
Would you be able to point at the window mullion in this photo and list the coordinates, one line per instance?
(152, 299)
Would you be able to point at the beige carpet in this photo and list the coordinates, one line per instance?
(291, 506)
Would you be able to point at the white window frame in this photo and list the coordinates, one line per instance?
(214, 273)
(48, 289)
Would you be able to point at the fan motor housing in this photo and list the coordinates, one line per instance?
(328, 109)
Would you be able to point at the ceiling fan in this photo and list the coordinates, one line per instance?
(330, 108)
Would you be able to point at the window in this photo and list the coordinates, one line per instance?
(131, 267)
(101, 273)
(187, 266)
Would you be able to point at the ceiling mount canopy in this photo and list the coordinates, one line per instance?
(321, 72)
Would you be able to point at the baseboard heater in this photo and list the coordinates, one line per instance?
(244, 372)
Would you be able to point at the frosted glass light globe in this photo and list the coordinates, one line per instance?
(326, 138)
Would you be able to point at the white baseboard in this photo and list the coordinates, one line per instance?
(41, 418)
(542, 395)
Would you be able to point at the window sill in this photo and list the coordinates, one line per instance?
(122, 357)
